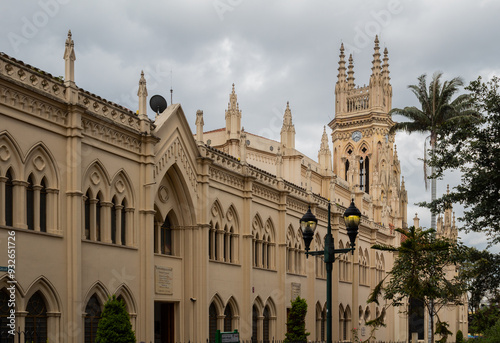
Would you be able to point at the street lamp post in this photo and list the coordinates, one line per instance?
(308, 225)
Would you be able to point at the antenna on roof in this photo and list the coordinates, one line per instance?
(171, 90)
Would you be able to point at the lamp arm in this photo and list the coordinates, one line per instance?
(314, 253)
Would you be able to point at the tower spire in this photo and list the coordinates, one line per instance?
(376, 58)
(324, 154)
(342, 75)
(350, 73)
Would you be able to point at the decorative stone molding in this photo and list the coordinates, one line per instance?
(107, 134)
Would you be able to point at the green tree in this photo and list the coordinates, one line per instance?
(114, 326)
(483, 319)
(481, 271)
(422, 270)
(492, 334)
(473, 148)
(296, 323)
(437, 109)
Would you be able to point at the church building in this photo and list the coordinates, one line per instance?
(195, 232)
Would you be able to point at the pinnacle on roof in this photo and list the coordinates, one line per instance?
(324, 141)
(385, 66)
(142, 86)
(350, 78)
(287, 117)
(342, 75)
(376, 58)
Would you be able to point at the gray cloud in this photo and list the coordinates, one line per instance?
(273, 51)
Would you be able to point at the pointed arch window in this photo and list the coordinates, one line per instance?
(266, 324)
(113, 221)
(43, 206)
(30, 204)
(98, 210)
(364, 173)
(9, 199)
(123, 226)
(36, 320)
(92, 317)
(87, 215)
(255, 323)
(4, 310)
(212, 322)
(228, 319)
(166, 237)
(346, 169)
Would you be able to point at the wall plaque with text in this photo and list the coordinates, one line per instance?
(164, 278)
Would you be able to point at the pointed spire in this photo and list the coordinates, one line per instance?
(385, 66)
(288, 129)
(69, 58)
(142, 93)
(233, 117)
(324, 154)
(342, 75)
(324, 141)
(376, 58)
(350, 78)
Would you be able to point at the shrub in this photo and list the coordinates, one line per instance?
(114, 326)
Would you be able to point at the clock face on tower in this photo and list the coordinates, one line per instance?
(356, 136)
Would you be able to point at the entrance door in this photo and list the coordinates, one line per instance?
(164, 322)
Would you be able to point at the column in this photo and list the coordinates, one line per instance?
(19, 196)
(118, 221)
(36, 206)
(52, 210)
(106, 221)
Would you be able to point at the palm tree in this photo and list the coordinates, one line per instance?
(438, 111)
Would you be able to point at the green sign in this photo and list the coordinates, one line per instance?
(3, 269)
(227, 337)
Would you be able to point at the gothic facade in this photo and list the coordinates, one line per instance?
(194, 232)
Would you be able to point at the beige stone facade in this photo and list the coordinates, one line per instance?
(194, 232)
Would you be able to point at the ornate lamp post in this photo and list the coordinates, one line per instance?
(308, 225)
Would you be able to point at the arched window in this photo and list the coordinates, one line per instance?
(9, 199)
(346, 168)
(43, 206)
(92, 317)
(87, 215)
(255, 322)
(113, 221)
(166, 237)
(35, 326)
(347, 323)
(267, 319)
(4, 311)
(123, 227)
(228, 319)
(323, 324)
(98, 208)
(30, 204)
(212, 322)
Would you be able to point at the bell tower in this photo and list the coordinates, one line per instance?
(364, 155)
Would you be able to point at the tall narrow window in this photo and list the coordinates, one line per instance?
(346, 168)
(212, 322)
(124, 223)
(255, 323)
(87, 215)
(267, 319)
(4, 312)
(211, 241)
(98, 208)
(43, 207)
(228, 319)
(113, 221)
(367, 175)
(92, 317)
(36, 320)
(9, 199)
(166, 237)
(30, 204)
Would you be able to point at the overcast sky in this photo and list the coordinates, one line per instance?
(274, 52)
